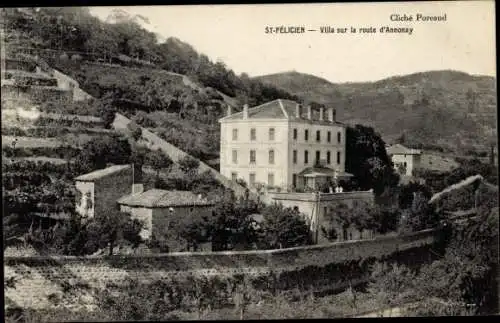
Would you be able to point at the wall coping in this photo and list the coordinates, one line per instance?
(230, 253)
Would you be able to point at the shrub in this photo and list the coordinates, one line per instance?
(188, 164)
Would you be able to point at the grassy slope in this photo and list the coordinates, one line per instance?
(393, 105)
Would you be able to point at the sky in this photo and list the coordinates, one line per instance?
(236, 35)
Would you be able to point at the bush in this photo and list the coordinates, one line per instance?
(188, 164)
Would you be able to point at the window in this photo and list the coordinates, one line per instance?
(271, 156)
(252, 179)
(306, 157)
(329, 136)
(235, 156)
(294, 134)
(318, 156)
(271, 133)
(234, 176)
(318, 135)
(235, 134)
(339, 137)
(328, 158)
(253, 134)
(252, 156)
(306, 135)
(294, 180)
(338, 157)
(270, 179)
(295, 157)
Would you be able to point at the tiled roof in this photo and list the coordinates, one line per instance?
(317, 171)
(98, 174)
(399, 149)
(162, 198)
(281, 109)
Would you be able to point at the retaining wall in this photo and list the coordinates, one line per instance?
(36, 94)
(40, 276)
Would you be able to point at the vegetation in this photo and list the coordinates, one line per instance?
(437, 181)
(438, 110)
(80, 237)
(367, 160)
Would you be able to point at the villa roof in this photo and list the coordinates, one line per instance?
(399, 149)
(101, 173)
(281, 109)
(156, 198)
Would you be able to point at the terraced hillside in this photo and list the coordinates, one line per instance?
(446, 109)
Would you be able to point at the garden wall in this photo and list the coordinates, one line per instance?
(38, 277)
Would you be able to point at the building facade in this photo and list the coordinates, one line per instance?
(405, 160)
(315, 206)
(157, 209)
(274, 143)
(98, 191)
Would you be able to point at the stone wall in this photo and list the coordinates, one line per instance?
(315, 207)
(74, 278)
(109, 189)
(36, 94)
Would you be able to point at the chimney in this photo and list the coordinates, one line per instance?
(309, 112)
(229, 110)
(297, 111)
(137, 188)
(245, 111)
(331, 115)
(321, 113)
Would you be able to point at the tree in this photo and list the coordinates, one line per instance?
(231, 225)
(107, 111)
(158, 160)
(96, 154)
(338, 218)
(194, 229)
(116, 227)
(408, 191)
(283, 228)
(420, 215)
(367, 159)
(188, 164)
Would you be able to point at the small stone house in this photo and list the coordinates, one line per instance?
(405, 160)
(113, 189)
(156, 208)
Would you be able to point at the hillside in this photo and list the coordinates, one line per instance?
(449, 109)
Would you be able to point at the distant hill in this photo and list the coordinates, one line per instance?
(449, 109)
